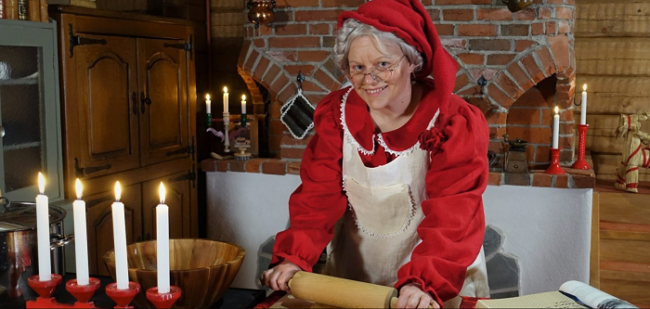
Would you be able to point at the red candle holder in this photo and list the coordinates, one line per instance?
(555, 168)
(122, 297)
(44, 290)
(83, 293)
(163, 300)
(582, 141)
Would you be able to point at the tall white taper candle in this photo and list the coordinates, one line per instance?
(583, 105)
(162, 242)
(225, 99)
(80, 235)
(43, 231)
(243, 104)
(556, 128)
(208, 104)
(119, 238)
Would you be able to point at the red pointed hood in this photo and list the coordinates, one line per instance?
(409, 20)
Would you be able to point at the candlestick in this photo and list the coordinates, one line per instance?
(556, 128)
(81, 239)
(162, 242)
(555, 168)
(583, 105)
(226, 123)
(119, 237)
(43, 231)
(581, 163)
(243, 110)
(225, 99)
(208, 110)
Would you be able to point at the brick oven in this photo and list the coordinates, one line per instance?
(516, 67)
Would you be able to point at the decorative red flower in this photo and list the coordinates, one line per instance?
(432, 140)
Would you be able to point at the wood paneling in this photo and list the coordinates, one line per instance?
(613, 56)
(612, 43)
(612, 18)
(633, 291)
(621, 260)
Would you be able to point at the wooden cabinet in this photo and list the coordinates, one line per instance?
(129, 104)
(621, 244)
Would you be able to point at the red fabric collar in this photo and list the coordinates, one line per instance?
(362, 127)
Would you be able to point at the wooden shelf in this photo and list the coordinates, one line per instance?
(19, 82)
(607, 186)
(21, 146)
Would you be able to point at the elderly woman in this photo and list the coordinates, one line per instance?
(392, 180)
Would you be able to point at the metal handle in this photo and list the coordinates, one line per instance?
(134, 98)
(2, 131)
(148, 237)
(60, 240)
(144, 100)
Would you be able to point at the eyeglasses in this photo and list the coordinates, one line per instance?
(380, 72)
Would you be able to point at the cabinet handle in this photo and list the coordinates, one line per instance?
(144, 100)
(134, 98)
(148, 236)
(139, 239)
(85, 171)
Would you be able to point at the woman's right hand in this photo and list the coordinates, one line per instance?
(278, 277)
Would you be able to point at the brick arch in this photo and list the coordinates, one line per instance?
(505, 88)
(259, 69)
(280, 78)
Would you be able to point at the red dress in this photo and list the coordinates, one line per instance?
(454, 185)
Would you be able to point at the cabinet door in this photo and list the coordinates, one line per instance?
(107, 107)
(100, 224)
(165, 113)
(177, 199)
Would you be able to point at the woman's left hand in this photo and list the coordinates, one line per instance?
(411, 296)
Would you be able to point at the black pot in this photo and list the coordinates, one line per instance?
(19, 250)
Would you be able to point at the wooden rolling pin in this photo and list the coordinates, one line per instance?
(342, 293)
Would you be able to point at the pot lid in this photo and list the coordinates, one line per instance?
(16, 216)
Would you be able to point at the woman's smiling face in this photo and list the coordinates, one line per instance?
(365, 58)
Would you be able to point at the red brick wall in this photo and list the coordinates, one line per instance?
(515, 52)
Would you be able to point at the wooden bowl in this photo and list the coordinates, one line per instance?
(203, 269)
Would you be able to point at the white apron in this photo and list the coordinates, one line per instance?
(377, 233)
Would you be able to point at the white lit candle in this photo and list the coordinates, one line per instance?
(43, 231)
(225, 99)
(556, 128)
(119, 238)
(162, 242)
(583, 106)
(81, 239)
(243, 104)
(208, 104)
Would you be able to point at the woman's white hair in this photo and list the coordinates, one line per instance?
(353, 29)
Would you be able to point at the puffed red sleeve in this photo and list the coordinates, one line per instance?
(318, 203)
(454, 223)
